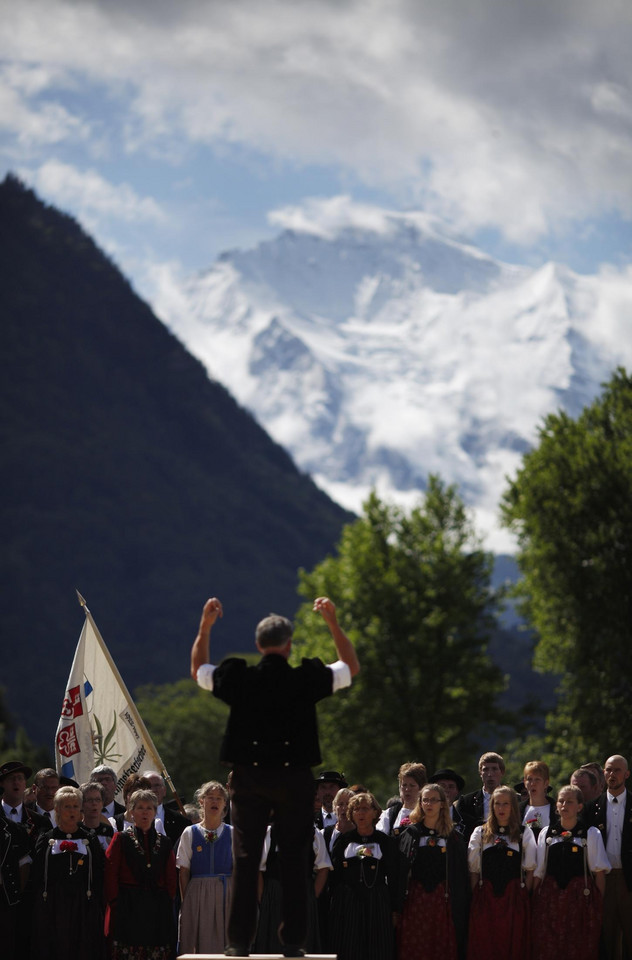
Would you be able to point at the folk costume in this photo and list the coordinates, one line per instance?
(394, 819)
(567, 907)
(103, 832)
(500, 902)
(140, 886)
(271, 908)
(538, 817)
(204, 913)
(365, 893)
(434, 918)
(67, 882)
(15, 849)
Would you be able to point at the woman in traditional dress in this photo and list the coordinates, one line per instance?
(342, 824)
(570, 880)
(366, 887)
(140, 886)
(94, 822)
(434, 919)
(67, 877)
(411, 778)
(205, 860)
(501, 858)
(271, 895)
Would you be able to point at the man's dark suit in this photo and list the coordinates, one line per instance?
(271, 741)
(14, 846)
(618, 899)
(34, 824)
(174, 824)
(471, 809)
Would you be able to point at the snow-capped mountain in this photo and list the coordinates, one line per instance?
(380, 349)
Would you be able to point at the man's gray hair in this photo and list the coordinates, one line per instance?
(103, 769)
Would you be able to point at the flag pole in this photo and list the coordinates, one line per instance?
(133, 709)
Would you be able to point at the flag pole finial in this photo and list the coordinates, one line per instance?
(81, 600)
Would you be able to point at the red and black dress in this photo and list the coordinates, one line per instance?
(500, 919)
(140, 886)
(567, 906)
(434, 918)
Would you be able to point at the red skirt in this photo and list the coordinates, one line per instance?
(500, 926)
(426, 929)
(566, 923)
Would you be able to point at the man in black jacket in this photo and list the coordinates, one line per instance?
(271, 742)
(474, 807)
(612, 814)
(15, 859)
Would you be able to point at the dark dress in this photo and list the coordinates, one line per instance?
(67, 879)
(434, 917)
(366, 892)
(271, 908)
(140, 886)
(567, 906)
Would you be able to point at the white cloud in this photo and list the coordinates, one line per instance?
(39, 123)
(513, 116)
(90, 195)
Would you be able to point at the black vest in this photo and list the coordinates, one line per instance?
(272, 721)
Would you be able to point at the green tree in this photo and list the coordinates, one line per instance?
(186, 724)
(413, 593)
(571, 508)
(15, 744)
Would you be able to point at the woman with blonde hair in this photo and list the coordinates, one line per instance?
(205, 860)
(434, 918)
(501, 858)
(570, 880)
(67, 879)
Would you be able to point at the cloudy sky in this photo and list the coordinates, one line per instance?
(175, 129)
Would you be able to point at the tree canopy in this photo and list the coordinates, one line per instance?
(413, 593)
(186, 724)
(571, 508)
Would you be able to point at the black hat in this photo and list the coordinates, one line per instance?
(68, 782)
(331, 776)
(448, 774)
(14, 766)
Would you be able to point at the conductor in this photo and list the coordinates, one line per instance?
(271, 742)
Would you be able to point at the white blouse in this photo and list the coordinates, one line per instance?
(475, 848)
(596, 852)
(322, 860)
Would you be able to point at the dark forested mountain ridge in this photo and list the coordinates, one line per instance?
(126, 473)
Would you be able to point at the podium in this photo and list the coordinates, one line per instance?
(255, 956)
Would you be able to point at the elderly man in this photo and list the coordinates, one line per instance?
(271, 741)
(174, 823)
(106, 776)
(612, 814)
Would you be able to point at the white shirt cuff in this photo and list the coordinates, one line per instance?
(342, 675)
(205, 676)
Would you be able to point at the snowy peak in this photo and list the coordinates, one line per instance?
(377, 349)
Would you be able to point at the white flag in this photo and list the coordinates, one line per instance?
(99, 722)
